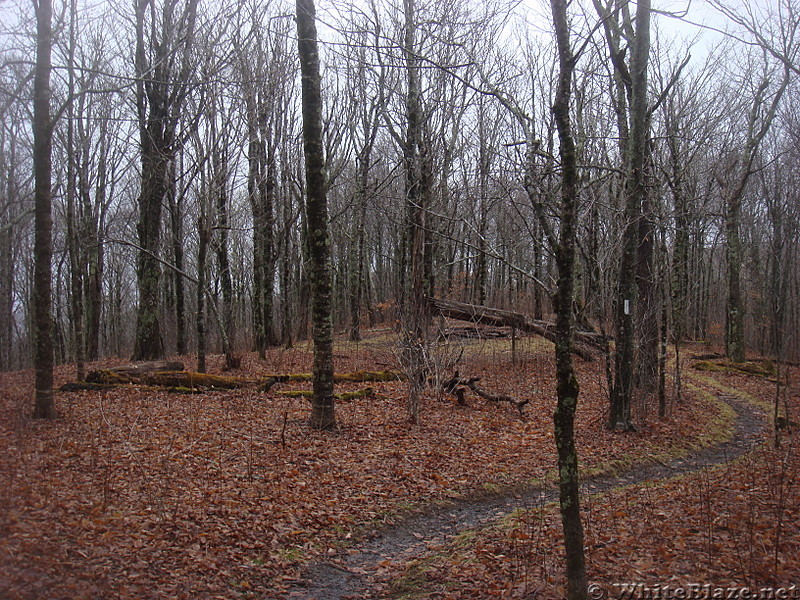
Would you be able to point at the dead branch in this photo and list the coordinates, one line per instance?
(456, 386)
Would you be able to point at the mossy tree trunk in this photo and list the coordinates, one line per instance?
(567, 384)
(318, 241)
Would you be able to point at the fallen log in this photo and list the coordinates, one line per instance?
(135, 374)
(186, 379)
(134, 370)
(475, 333)
(586, 343)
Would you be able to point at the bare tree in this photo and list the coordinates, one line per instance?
(567, 384)
(163, 63)
(43, 245)
(732, 183)
(322, 412)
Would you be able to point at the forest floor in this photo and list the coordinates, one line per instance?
(142, 493)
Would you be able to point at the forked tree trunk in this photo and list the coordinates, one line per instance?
(628, 304)
(759, 121)
(43, 237)
(322, 404)
(163, 68)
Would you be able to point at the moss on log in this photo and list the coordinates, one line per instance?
(190, 380)
(187, 379)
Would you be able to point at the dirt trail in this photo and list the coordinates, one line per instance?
(362, 571)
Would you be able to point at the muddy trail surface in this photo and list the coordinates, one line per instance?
(362, 574)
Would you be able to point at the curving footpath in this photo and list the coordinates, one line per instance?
(411, 538)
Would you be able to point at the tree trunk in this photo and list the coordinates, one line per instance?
(734, 322)
(175, 206)
(357, 269)
(154, 170)
(269, 200)
(506, 318)
(567, 384)
(7, 214)
(254, 176)
(261, 188)
(757, 128)
(627, 363)
(163, 69)
(648, 303)
(92, 227)
(74, 249)
(221, 251)
(286, 279)
(322, 405)
(415, 308)
(43, 236)
(204, 236)
(149, 344)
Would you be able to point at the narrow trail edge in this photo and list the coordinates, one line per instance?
(409, 539)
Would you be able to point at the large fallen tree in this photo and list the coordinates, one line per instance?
(587, 343)
(171, 375)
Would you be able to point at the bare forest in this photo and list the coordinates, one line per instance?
(399, 299)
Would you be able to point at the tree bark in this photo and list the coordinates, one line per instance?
(154, 170)
(322, 405)
(416, 315)
(567, 384)
(43, 236)
(93, 220)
